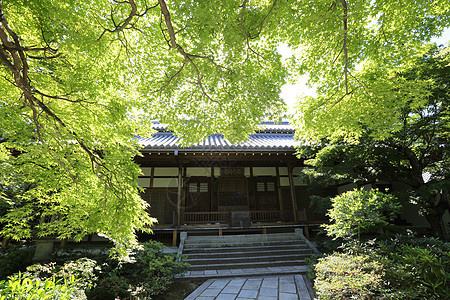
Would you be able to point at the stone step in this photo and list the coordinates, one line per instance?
(263, 237)
(270, 236)
(246, 247)
(223, 273)
(247, 253)
(240, 265)
(245, 259)
(241, 243)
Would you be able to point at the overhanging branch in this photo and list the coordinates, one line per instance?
(345, 20)
(173, 44)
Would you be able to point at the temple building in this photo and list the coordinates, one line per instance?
(216, 184)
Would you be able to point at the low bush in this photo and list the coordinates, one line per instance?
(344, 276)
(150, 273)
(14, 259)
(412, 268)
(83, 270)
(157, 267)
(311, 262)
(21, 287)
(110, 286)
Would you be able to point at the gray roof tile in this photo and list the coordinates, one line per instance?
(260, 141)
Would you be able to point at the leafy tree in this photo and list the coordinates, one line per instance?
(80, 78)
(359, 211)
(352, 53)
(416, 154)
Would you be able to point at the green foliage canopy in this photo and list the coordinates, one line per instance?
(418, 148)
(80, 78)
(352, 52)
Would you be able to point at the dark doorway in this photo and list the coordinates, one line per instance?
(233, 194)
(198, 196)
(266, 194)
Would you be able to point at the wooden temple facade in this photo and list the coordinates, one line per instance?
(216, 183)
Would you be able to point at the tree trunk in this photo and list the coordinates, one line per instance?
(435, 218)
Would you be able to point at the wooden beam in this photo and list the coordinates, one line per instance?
(174, 237)
(280, 199)
(291, 184)
(179, 196)
(152, 175)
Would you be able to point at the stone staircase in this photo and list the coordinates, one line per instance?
(246, 255)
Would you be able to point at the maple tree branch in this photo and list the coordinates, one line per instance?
(122, 25)
(260, 26)
(342, 98)
(172, 77)
(344, 6)
(247, 35)
(19, 69)
(173, 44)
(38, 132)
(337, 56)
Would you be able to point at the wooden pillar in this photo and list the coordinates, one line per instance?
(220, 231)
(174, 237)
(280, 199)
(152, 176)
(179, 196)
(251, 181)
(211, 200)
(294, 202)
(307, 232)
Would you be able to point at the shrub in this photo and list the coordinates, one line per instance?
(414, 268)
(360, 211)
(428, 270)
(344, 276)
(20, 287)
(110, 286)
(157, 267)
(311, 262)
(14, 259)
(62, 255)
(83, 270)
(151, 273)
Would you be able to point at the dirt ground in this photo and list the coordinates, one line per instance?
(180, 289)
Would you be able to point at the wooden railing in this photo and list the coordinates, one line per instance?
(206, 217)
(255, 216)
(277, 215)
(266, 216)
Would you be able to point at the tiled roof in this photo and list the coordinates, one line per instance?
(283, 126)
(265, 126)
(274, 137)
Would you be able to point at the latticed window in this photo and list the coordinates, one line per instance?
(260, 186)
(193, 187)
(197, 187)
(264, 186)
(203, 187)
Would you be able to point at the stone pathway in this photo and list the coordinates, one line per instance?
(283, 287)
(246, 272)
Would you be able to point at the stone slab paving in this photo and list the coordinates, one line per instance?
(281, 287)
(247, 272)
